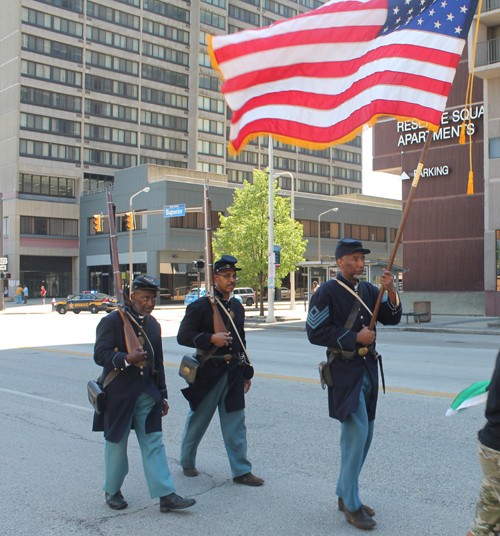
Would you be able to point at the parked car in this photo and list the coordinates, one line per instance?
(193, 296)
(86, 301)
(246, 294)
(165, 294)
(285, 293)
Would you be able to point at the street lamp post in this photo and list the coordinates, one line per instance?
(335, 209)
(130, 261)
(292, 215)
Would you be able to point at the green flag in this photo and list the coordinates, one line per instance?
(474, 395)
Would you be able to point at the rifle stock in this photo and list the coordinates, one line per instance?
(131, 340)
(209, 263)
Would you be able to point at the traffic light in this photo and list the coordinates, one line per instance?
(4, 275)
(129, 221)
(198, 265)
(98, 223)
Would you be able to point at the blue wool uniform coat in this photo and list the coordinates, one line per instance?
(110, 352)
(329, 309)
(195, 331)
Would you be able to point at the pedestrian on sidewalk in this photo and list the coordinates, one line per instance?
(42, 294)
(221, 382)
(19, 294)
(487, 517)
(338, 318)
(25, 295)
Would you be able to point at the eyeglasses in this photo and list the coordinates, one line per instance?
(228, 276)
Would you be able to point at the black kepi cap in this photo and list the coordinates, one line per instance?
(346, 246)
(226, 262)
(145, 282)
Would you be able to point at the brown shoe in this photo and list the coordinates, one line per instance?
(249, 480)
(190, 472)
(360, 519)
(366, 509)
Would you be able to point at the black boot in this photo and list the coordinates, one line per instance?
(116, 501)
(174, 502)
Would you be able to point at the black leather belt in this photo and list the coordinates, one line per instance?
(218, 358)
(144, 363)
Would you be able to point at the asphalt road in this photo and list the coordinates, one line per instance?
(421, 475)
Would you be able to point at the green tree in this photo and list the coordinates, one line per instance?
(244, 233)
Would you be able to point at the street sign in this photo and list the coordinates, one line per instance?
(174, 211)
(3, 260)
(3, 267)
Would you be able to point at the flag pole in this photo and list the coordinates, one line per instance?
(402, 224)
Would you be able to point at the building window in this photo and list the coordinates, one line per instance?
(40, 123)
(112, 15)
(314, 187)
(356, 142)
(342, 190)
(393, 232)
(211, 105)
(51, 48)
(311, 4)
(219, 3)
(71, 5)
(32, 225)
(165, 53)
(167, 10)
(211, 148)
(278, 8)
(50, 99)
(54, 151)
(284, 146)
(313, 168)
(56, 24)
(287, 164)
(110, 135)
(49, 72)
(112, 39)
(165, 76)
(194, 220)
(210, 126)
(112, 87)
(244, 15)
(231, 28)
(209, 82)
(346, 174)
(203, 37)
(163, 98)
(325, 153)
(43, 185)
(212, 19)
(165, 31)
(135, 3)
(116, 111)
(140, 222)
(494, 146)
(93, 181)
(253, 2)
(171, 122)
(204, 60)
(162, 162)
(364, 232)
(107, 158)
(245, 157)
(266, 21)
(239, 176)
(161, 143)
(346, 156)
(112, 63)
(207, 167)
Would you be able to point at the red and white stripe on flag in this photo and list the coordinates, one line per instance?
(318, 78)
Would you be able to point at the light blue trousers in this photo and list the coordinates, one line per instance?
(355, 439)
(154, 459)
(233, 428)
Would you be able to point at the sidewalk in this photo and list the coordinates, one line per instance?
(287, 319)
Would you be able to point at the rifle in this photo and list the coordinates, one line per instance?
(219, 324)
(131, 340)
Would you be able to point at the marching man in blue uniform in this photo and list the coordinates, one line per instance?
(223, 379)
(136, 397)
(339, 315)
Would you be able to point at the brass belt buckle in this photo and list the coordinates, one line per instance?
(228, 357)
(363, 351)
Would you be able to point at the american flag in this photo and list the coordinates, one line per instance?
(316, 79)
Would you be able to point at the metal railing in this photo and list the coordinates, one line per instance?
(488, 52)
(491, 5)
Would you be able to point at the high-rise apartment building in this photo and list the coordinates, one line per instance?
(89, 87)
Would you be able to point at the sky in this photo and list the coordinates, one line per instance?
(376, 183)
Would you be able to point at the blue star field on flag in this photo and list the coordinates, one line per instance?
(447, 17)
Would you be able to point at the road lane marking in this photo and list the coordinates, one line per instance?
(271, 376)
(45, 399)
